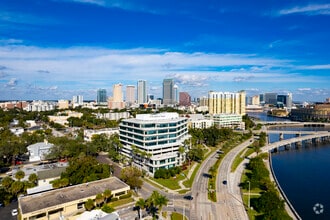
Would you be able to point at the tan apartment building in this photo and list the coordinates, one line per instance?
(227, 103)
(68, 201)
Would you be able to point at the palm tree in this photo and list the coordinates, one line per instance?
(107, 194)
(156, 200)
(160, 202)
(99, 199)
(19, 175)
(141, 203)
(89, 204)
(33, 178)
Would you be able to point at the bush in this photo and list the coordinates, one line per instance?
(128, 195)
(113, 199)
(107, 208)
(167, 173)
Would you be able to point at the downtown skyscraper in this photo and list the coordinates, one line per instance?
(101, 96)
(141, 92)
(168, 92)
(130, 94)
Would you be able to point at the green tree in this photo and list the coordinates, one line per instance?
(20, 175)
(99, 199)
(141, 204)
(7, 182)
(33, 178)
(89, 204)
(16, 187)
(131, 176)
(107, 194)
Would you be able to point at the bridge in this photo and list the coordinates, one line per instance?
(297, 141)
(294, 123)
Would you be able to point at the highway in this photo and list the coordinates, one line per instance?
(229, 202)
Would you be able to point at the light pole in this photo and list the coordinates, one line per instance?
(184, 205)
(249, 195)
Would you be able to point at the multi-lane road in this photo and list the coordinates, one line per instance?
(229, 203)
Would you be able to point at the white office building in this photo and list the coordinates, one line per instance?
(227, 120)
(153, 140)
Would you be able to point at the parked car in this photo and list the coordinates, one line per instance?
(14, 212)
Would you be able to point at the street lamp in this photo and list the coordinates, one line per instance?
(249, 195)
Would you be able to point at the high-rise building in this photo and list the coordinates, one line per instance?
(184, 99)
(176, 94)
(226, 102)
(262, 98)
(77, 100)
(130, 94)
(203, 101)
(116, 101)
(101, 96)
(118, 93)
(158, 137)
(255, 100)
(270, 98)
(141, 92)
(168, 92)
(150, 97)
(289, 101)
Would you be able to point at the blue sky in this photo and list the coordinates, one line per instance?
(54, 49)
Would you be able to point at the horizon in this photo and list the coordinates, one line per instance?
(55, 49)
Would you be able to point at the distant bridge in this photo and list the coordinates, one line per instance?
(297, 141)
(294, 123)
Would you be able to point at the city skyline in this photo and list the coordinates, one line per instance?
(55, 49)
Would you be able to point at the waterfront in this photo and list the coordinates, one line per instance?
(302, 174)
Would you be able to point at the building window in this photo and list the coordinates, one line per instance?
(80, 205)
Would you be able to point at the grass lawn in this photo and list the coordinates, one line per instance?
(239, 158)
(121, 202)
(171, 183)
(188, 183)
(177, 216)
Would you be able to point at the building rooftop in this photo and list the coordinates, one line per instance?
(56, 197)
(51, 173)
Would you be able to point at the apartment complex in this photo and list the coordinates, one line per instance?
(153, 140)
(226, 102)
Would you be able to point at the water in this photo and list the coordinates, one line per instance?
(302, 174)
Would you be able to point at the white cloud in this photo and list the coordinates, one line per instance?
(12, 82)
(315, 67)
(304, 89)
(315, 9)
(51, 71)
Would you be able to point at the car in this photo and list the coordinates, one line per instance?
(188, 197)
(14, 212)
(224, 182)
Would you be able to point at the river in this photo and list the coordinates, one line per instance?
(303, 175)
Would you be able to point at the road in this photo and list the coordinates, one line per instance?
(229, 202)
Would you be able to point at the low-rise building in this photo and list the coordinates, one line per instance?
(319, 112)
(227, 120)
(39, 150)
(65, 202)
(88, 134)
(199, 121)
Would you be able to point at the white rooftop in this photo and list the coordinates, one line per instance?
(159, 116)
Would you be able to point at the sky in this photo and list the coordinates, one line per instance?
(54, 49)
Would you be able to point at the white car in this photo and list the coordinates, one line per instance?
(14, 212)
